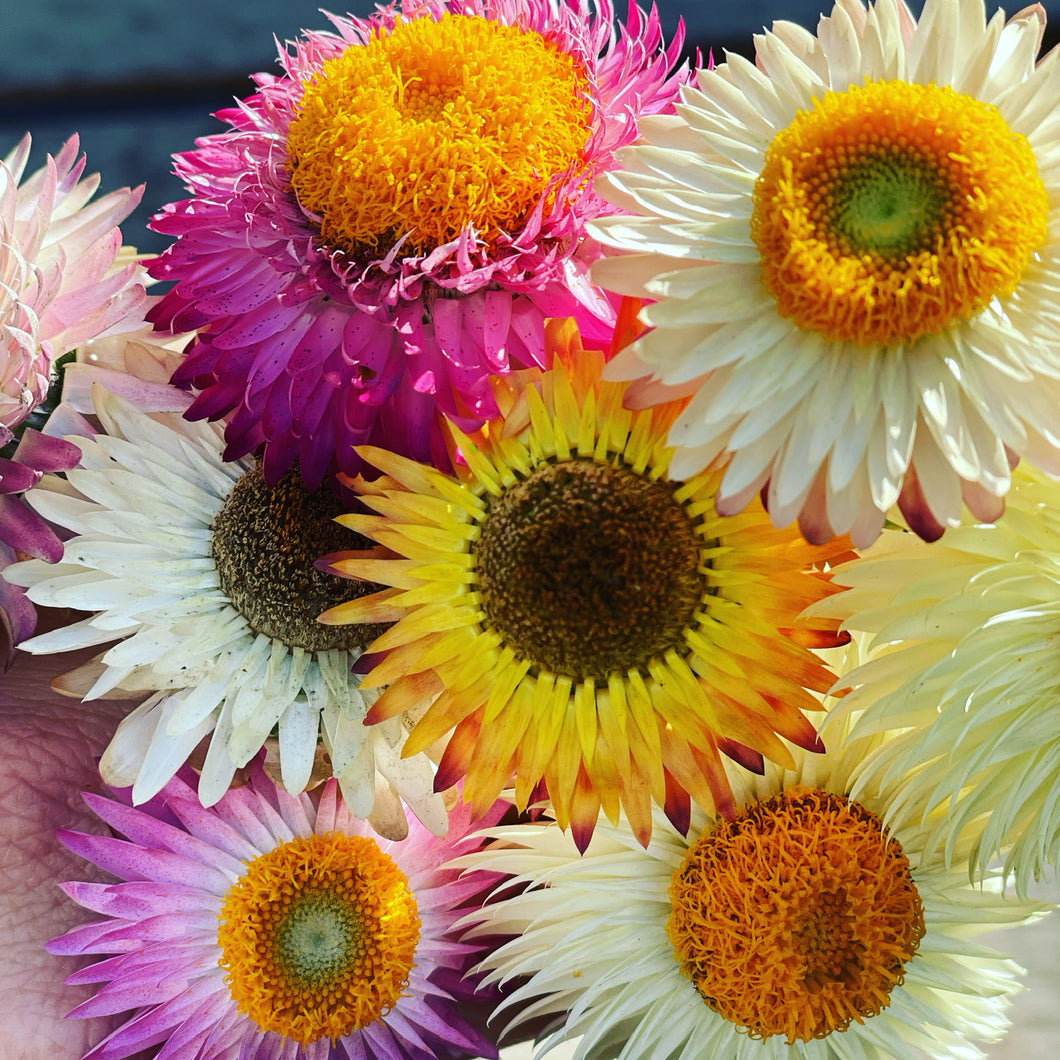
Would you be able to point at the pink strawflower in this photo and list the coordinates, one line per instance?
(60, 285)
(340, 915)
(325, 322)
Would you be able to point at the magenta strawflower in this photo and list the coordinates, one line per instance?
(60, 285)
(275, 927)
(391, 220)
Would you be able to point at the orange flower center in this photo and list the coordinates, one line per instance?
(433, 126)
(894, 210)
(318, 937)
(796, 918)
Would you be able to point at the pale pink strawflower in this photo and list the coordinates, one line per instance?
(61, 283)
(364, 248)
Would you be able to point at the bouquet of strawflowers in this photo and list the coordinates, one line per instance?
(541, 569)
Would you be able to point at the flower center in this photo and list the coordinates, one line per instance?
(318, 937)
(894, 210)
(587, 568)
(434, 126)
(796, 918)
(265, 543)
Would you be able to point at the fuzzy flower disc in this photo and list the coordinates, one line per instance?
(545, 568)
(318, 937)
(594, 627)
(822, 934)
(264, 542)
(433, 126)
(892, 210)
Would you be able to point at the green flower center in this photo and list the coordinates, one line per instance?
(892, 205)
(318, 940)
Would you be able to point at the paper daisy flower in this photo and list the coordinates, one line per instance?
(964, 638)
(799, 928)
(269, 926)
(204, 576)
(390, 221)
(855, 249)
(59, 286)
(591, 623)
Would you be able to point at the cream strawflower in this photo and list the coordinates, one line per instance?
(204, 577)
(964, 637)
(856, 252)
(799, 930)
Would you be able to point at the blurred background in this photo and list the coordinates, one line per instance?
(139, 79)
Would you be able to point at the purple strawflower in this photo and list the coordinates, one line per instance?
(391, 220)
(275, 927)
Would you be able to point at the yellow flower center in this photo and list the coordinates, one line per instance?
(796, 918)
(318, 937)
(894, 210)
(433, 126)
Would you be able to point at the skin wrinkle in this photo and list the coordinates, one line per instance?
(49, 745)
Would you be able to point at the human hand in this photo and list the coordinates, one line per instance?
(49, 745)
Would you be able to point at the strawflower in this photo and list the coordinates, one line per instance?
(204, 578)
(964, 636)
(275, 927)
(799, 929)
(390, 221)
(591, 624)
(854, 248)
(61, 284)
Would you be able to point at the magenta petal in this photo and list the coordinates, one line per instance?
(136, 899)
(148, 831)
(222, 397)
(89, 938)
(16, 477)
(178, 1023)
(271, 319)
(190, 1037)
(208, 826)
(154, 962)
(23, 529)
(448, 325)
(354, 1048)
(132, 862)
(280, 454)
(496, 325)
(120, 996)
(18, 617)
(138, 1033)
(276, 417)
(270, 363)
(315, 453)
(200, 359)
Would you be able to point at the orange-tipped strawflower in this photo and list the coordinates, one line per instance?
(590, 624)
